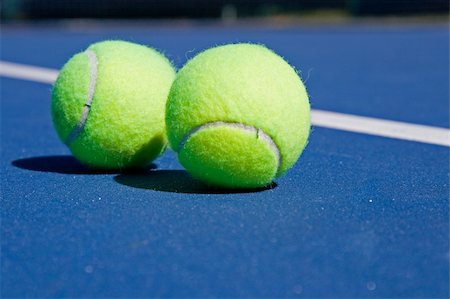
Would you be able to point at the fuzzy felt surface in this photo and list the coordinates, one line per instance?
(229, 157)
(125, 126)
(240, 83)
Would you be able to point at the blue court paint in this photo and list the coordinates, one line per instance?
(391, 72)
(358, 216)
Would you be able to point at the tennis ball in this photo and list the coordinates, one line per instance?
(108, 104)
(238, 116)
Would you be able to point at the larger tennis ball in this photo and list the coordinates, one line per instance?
(108, 104)
(238, 115)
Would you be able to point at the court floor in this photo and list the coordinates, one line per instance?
(363, 214)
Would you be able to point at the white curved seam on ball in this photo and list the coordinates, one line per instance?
(260, 134)
(93, 62)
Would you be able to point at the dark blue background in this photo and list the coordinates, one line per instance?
(358, 216)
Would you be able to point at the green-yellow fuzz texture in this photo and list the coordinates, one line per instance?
(125, 126)
(238, 83)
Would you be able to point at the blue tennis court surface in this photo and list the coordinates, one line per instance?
(359, 216)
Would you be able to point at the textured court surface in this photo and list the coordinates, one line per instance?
(358, 216)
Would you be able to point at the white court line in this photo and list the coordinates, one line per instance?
(320, 118)
(26, 72)
(381, 127)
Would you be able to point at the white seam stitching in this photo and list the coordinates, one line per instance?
(92, 57)
(260, 134)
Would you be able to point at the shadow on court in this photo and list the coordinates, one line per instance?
(177, 181)
(68, 165)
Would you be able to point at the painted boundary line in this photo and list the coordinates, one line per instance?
(320, 118)
(25, 72)
(381, 127)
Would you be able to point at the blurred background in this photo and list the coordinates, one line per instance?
(13, 10)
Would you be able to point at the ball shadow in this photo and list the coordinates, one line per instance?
(67, 165)
(176, 181)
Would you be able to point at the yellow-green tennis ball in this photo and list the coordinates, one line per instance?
(108, 104)
(238, 115)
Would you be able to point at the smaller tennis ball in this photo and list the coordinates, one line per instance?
(238, 116)
(108, 104)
